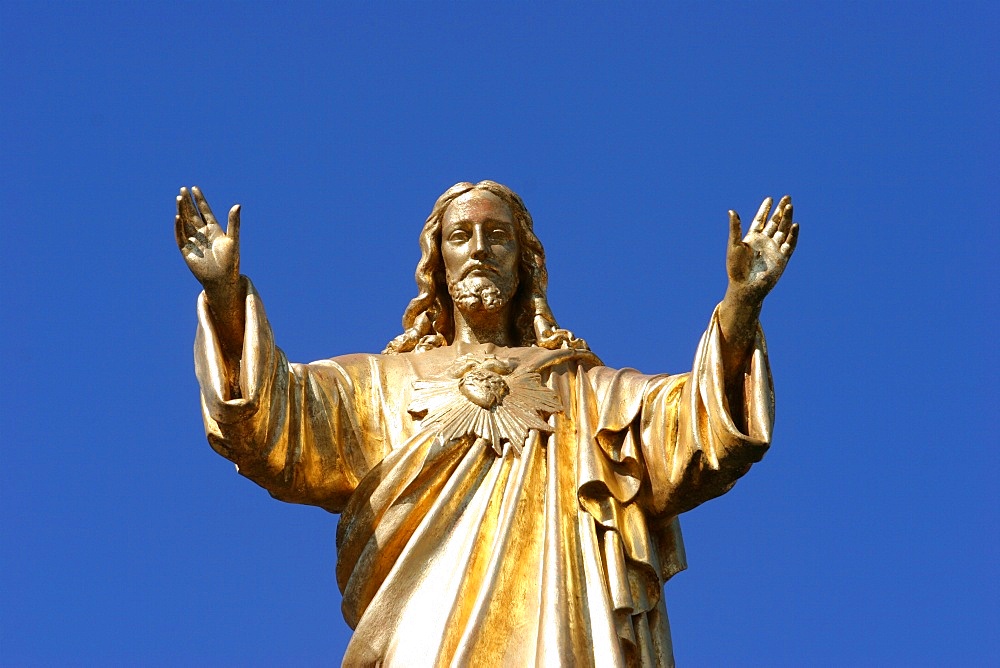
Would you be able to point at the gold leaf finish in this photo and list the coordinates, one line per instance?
(504, 498)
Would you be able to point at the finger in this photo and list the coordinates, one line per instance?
(786, 214)
(233, 226)
(189, 215)
(788, 247)
(775, 222)
(179, 235)
(761, 217)
(735, 229)
(206, 211)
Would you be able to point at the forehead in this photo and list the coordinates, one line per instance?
(477, 206)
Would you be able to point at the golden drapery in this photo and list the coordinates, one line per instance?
(452, 554)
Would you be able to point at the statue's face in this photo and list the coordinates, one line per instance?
(480, 251)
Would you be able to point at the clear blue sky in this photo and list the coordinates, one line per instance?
(868, 536)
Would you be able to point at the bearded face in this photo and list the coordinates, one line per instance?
(480, 252)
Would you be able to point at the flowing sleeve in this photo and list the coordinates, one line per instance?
(653, 447)
(294, 428)
(695, 445)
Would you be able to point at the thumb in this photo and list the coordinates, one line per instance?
(233, 226)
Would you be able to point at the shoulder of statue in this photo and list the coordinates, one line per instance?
(540, 359)
(360, 365)
(441, 360)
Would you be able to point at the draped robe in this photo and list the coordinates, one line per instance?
(553, 551)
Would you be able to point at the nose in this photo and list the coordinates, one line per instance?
(478, 247)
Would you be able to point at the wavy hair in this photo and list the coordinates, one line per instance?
(429, 321)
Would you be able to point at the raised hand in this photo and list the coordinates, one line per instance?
(212, 255)
(755, 263)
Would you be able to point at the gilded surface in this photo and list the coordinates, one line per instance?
(504, 497)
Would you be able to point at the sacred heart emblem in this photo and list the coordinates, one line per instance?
(486, 397)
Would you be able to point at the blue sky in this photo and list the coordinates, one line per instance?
(867, 536)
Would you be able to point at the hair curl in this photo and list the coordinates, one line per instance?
(429, 322)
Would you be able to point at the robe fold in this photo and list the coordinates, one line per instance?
(550, 552)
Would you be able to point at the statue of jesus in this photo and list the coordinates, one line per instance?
(504, 497)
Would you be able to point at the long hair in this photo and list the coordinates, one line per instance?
(429, 320)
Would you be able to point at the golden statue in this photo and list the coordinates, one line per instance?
(504, 497)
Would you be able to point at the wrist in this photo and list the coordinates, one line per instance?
(217, 283)
(741, 301)
(221, 288)
(738, 315)
(226, 304)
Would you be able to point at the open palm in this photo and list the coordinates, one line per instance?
(212, 255)
(756, 262)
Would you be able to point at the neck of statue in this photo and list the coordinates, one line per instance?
(484, 327)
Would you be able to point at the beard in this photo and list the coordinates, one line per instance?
(482, 293)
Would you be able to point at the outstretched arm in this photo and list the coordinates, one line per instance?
(213, 256)
(700, 432)
(754, 264)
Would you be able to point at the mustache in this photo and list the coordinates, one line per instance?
(478, 266)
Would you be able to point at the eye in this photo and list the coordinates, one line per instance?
(499, 234)
(458, 236)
